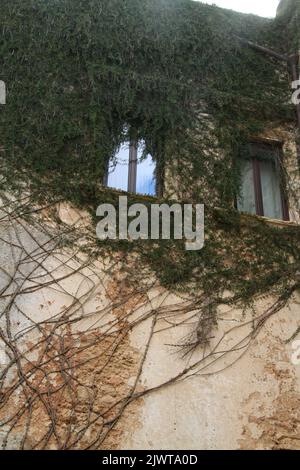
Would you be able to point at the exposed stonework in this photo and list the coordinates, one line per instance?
(250, 404)
(74, 372)
(104, 373)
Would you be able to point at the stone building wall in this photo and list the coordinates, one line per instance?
(98, 364)
(88, 362)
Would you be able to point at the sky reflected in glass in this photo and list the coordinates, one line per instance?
(118, 171)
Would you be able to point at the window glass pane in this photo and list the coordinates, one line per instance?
(270, 185)
(118, 169)
(246, 202)
(145, 183)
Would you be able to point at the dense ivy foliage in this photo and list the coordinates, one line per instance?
(288, 20)
(81, 74)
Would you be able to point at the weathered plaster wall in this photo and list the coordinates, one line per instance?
(246, 398)
(64, 345)
(252, 404)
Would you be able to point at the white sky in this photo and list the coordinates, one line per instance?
(257, 7)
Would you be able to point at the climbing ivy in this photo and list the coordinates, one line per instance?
(80, 74)
(288, 20)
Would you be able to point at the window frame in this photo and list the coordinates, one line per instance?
(132, 171)
(132, 166)
(259, 203)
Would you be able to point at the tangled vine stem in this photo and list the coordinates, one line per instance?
(61, 355)
(69, 304)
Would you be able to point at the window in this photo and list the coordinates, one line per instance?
(262, 182)
(131, 171)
